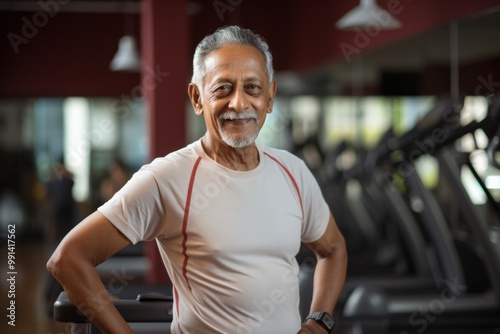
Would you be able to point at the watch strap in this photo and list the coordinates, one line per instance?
(324, 319)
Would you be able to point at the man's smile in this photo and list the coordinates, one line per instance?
(238, 118)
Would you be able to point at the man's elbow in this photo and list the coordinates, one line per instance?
(62, 260)
(54, 265)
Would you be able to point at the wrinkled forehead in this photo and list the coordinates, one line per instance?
(234, 57)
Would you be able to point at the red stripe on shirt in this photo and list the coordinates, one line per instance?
(185, 221)
(291, 178)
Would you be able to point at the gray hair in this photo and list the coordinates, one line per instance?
(224, 36)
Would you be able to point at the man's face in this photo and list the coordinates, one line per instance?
(236, 95)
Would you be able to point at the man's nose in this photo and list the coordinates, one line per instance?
(239, 100)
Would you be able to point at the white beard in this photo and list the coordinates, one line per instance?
(239, 142)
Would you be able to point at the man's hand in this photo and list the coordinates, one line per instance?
(312, 327)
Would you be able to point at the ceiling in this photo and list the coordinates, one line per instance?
(77, 6)
(477, 38)
(305, 42)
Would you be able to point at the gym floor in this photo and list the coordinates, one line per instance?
(31, 315)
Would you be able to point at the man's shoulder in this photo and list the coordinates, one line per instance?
(177, 160)
(283, 156)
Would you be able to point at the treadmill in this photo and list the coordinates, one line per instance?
(455, 308)
(416, 242)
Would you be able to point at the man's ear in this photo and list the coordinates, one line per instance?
(272, 94)
(195, 97)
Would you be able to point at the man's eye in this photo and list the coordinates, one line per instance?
(223, 88)
(253, 89)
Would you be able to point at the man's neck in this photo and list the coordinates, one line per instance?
(240, 159)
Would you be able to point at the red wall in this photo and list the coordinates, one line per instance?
(313, 38)
(70, 54)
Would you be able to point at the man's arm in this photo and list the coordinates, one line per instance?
(329, 274)
(73, 264)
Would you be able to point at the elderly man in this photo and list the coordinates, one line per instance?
(228, 214)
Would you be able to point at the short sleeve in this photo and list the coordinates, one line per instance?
(316, 210)
(137, 209)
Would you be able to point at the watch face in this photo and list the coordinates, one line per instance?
(328, 321)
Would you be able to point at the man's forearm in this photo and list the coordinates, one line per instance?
(86, 291)
(331, 267)
(91, 242)
(329, 278)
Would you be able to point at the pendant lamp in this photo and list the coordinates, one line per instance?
(127, 57)
(368, 12)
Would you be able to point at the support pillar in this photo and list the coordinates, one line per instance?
(166, 71)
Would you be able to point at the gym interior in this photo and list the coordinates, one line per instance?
(396, 115)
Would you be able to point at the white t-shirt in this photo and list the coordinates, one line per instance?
(228, 238)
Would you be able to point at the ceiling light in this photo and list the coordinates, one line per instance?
(127, 56)
(368, 12)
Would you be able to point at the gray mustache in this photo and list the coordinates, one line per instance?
(234, 115)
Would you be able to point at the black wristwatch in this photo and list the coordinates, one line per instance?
(324, 319)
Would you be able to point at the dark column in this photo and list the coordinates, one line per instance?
(165, 74)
